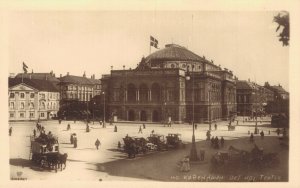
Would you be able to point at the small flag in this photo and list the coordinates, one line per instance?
(25, 67)
(153, 42)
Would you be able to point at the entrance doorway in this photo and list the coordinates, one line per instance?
(143, 115)
(155, 116)
(130, 115)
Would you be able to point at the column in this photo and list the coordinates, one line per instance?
(150, 98)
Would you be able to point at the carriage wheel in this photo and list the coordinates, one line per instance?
(43, 163)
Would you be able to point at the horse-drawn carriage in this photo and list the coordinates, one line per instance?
(174, 141)
(235, 159)
(135, 145)
(159, 141)
(44, 151)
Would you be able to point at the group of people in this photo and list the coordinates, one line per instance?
(73, 140)
(215, 142)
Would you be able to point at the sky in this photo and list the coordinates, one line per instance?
(93, 41)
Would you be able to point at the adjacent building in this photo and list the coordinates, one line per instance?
(32, 99)
(171, 84)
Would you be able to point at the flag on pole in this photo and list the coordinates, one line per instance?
(153, 42)
(25, 67)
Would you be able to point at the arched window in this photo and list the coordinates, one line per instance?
(131, 92)
(143, 92)
(155, 92)
(22, 105)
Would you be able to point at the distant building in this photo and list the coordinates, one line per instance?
(159, 89)
(32, 99)
(280, 103)
(76, 92)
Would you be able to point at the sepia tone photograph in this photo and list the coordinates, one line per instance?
(148, 95)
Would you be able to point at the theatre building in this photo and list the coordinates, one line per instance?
(171, 84)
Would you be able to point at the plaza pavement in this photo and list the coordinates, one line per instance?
(107, 163)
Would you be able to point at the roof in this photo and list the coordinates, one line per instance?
(76, 80)
(95, 81)
(174, 52)
(242, 84)
(39, 76)
(41, 85)
(279, 89)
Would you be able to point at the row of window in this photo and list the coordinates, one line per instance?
(75, 88)
(22, 114)
(31, 105)
(32, 95)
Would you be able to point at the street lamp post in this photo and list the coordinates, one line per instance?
(103, 109)
(193, 153)
(209, 112)
(94, 112)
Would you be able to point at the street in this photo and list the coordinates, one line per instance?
(108, 163)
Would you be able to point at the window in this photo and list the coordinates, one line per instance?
(183, 66)
(42, 114)
(22, 105)
(172, 66)
(22, 95)
(43, 105)
(22, 115)
(31, 105)
(31, 95)
(31, 114)
(11, 95)
(11, 105)
(11, 115)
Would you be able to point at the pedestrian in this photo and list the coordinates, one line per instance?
(248, 132)
(74, 121)
(216, 126)
(262, 134)
(269, 132)
(72, 138)
(97, 143)
(34, 133)
(196, 126)
(140, 130)
(278, 131)
(212, 141)
(87, 128)
(251, 138)
(237, 122)
(208, 135)
(75, 141)
(59, 121)
(152, 131)
(222, 142)
(216, 146)
(10, 131)
(116, 129)
(68, 127)
(202, 154)
(119, 144)
(185, 164)
(144, 126)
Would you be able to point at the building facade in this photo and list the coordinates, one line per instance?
(171, 84)
(31, 99)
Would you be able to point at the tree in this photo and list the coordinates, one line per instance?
(283, 21)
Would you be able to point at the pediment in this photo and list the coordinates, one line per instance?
(22, 87)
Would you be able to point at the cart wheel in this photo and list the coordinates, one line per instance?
(43, 163)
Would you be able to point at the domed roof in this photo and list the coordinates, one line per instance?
(173, 52)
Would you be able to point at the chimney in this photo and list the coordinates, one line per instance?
(93, 76)
(67, 73)
(84, 75)
(60, 75)
(248, 79)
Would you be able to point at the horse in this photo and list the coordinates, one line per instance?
(62, 160)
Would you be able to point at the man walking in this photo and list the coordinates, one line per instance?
(97, 143)
(140, 130)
